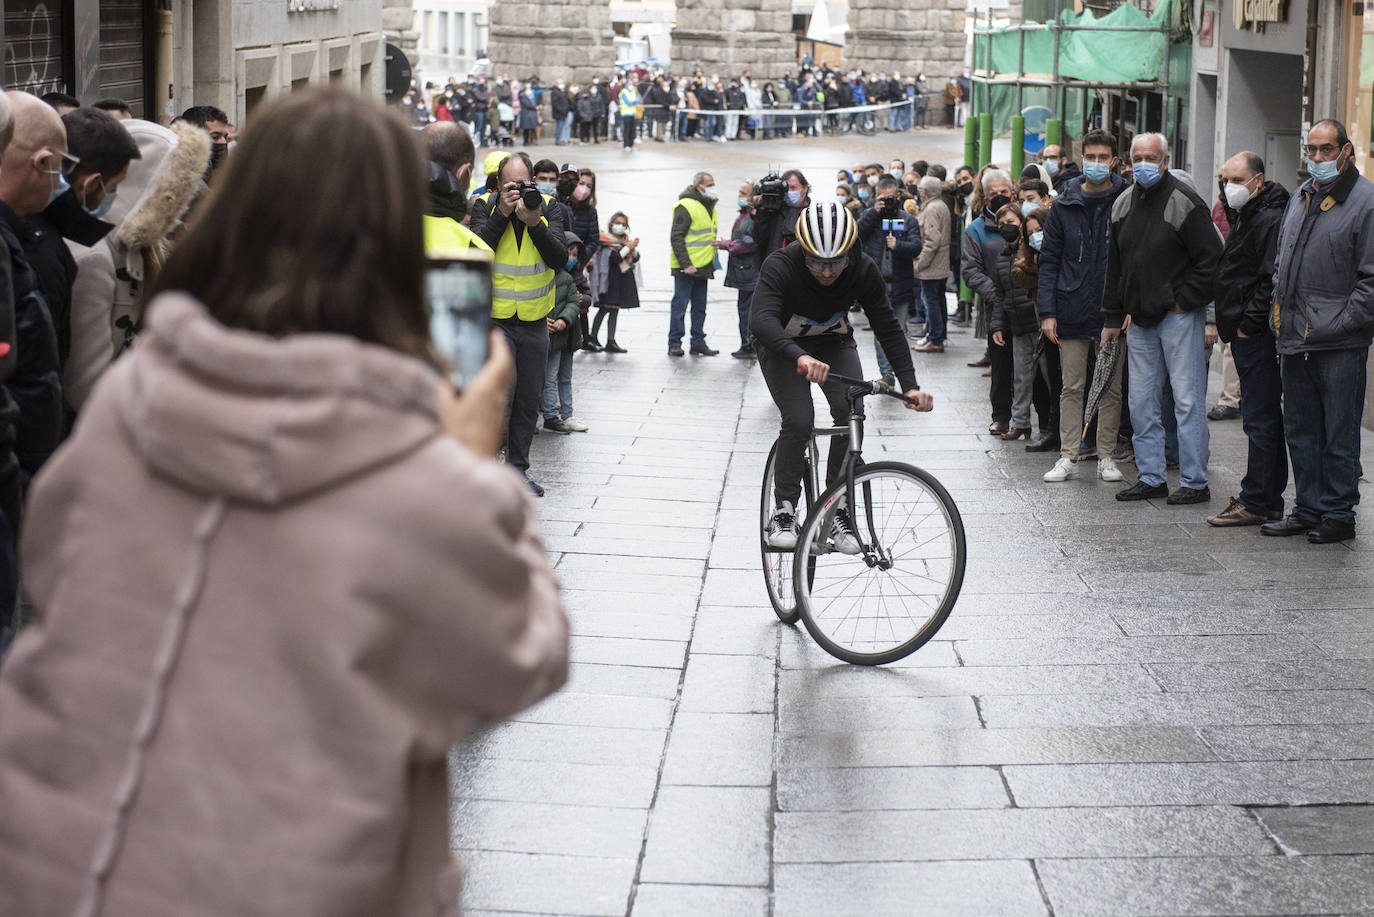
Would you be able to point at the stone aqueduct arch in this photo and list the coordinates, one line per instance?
(559, 39)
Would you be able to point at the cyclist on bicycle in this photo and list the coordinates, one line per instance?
(800, 323)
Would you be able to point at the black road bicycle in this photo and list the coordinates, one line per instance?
(885, 602)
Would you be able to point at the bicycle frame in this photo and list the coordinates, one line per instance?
(874, 553)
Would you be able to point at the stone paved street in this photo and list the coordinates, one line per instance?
(1127, 713)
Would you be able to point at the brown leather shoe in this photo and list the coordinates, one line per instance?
(997, 427)
(1016, 433)
(927, 347)
(1235, 514)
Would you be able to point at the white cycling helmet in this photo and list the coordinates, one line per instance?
(826, 230)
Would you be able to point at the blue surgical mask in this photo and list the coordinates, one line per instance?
(743, 203)
(863, 194)
(104, 206)
(1035, 239)
(572, 263)
(1052, 167)
(793, 198)
(61, 189)
(1146, 174)
(1321, 171)
(1096, 172)
(547, 187)
(1028, 207)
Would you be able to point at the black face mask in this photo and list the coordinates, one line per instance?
(217, 153)
(1010, 232)
(997, 202)
(912, 189)
(965, 189)
(566, 186)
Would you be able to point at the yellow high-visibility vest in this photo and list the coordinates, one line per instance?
(701, 235)
(522, 284)
(629, 102)
(443, 234)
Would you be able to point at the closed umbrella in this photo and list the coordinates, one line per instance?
(1108, 358)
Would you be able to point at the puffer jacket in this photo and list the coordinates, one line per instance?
(1324, 280)
(1013, 311)
(567, 305)
(934, 220)
(326, 594)
(111, 274)
(1244, 291)
(1073, 262)
(982, 246)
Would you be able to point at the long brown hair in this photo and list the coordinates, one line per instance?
(313, 225)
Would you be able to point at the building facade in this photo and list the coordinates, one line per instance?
(450, 33)
(162, 56)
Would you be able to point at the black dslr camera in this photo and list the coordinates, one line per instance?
(529, 195)
(771, 190)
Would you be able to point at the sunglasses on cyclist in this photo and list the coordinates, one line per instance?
(820, 264)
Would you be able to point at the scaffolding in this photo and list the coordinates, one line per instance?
(985, 77)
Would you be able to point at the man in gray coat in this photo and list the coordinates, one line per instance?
(1323, 317)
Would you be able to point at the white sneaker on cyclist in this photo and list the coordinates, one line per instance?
(1107, 470)
(1062, 471)
(782, 528)
(842, 537)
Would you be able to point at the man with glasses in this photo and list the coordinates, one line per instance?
(1161, 265)
(801, 329)
(1323, 318)
(33, 174)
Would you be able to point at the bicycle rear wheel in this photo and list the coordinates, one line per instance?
(885, 603)
(777, 562)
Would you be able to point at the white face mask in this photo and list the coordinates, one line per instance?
(710, 193)
(1237, 195)
(619, 229)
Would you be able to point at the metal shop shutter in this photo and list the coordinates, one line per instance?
(34, 46)
(122, 52)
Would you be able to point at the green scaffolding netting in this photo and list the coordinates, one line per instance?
(1109, 57)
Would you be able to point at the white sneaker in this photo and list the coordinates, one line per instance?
(782, 528)
(575, 425)
(1062, 471)
(842, 536)
(1107, 470)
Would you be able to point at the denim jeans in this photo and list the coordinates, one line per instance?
(687, 289)
(479, 125)
(558, 400)
(933, 292)
(562, 128)
(1171, 350)
(901, 307)
(1261, 414)
(1325, 394)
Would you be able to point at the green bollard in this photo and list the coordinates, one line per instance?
(970, 141)
(1054, 132)
(1018, 146)
(984, 139)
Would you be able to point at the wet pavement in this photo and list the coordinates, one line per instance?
(1128, 712)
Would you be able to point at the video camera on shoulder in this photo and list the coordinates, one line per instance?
(771, 190)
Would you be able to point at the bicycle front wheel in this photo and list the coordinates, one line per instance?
(885, 602)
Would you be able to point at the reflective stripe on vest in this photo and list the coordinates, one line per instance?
(522, 284)
(700, 235)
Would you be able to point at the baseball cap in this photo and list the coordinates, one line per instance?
(568, 167)
(493, 162)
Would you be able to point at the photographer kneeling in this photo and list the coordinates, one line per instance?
(779, 202)
(529, 249)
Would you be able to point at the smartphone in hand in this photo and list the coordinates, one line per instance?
(458, 297)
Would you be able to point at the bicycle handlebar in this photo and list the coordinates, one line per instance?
(877, 387)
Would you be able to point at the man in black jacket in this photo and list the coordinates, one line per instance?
(775, 228)
(105, 150)
(1244, 294)
(892, 238)
(1161, 267)
(562, 110)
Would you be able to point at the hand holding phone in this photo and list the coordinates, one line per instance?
(458, 296)
(476, 417)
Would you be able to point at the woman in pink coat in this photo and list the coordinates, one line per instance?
(278, 573)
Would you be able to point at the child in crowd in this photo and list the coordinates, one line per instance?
(616, 280)
(565, 337)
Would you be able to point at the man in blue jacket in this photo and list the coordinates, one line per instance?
(1073, 273)
(1323, 317)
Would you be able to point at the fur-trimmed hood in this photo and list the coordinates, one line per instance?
(162, 184)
